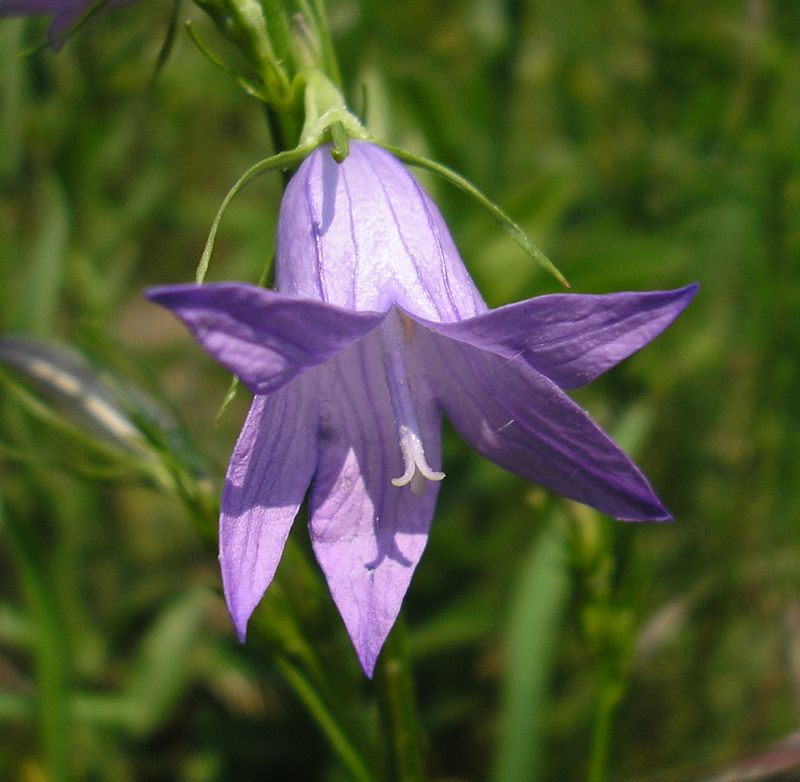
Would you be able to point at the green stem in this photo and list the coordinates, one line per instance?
(398, 707)
(325, 720)
(51, 653)
(284, 132)
(253, 26)
(279, 32)
(608, 698)
(535, 628)
(329, 60)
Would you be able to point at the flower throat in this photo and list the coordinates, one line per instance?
(395, 332)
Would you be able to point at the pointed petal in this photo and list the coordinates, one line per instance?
(264, 337)
(522, 421)
(368, 535)
(268, 475)
(572, 338)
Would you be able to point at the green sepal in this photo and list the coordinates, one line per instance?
(339, 140)
(281, 161)
(326, 120)
(517, 234)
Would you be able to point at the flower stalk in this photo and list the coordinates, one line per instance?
(397, 704)
(243, 22)
(325, 112)
(610, 691)
(51, 651)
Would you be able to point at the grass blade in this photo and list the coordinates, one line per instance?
(532, 640)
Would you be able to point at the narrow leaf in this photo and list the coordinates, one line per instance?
(160, 673)
(534, 628)
(48, 259)
(169, 40)
(51, 650)
(248, 85)
(282, 160)
(325, 720)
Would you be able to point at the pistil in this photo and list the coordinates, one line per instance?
(394, 332)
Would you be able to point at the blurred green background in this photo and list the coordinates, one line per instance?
(643, 145)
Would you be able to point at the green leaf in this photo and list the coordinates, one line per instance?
(248, 85)
(12, 95)
(51, 646)
(170, 36)
(160, 673)
(48, 259)
(397, 706)
(325, 719)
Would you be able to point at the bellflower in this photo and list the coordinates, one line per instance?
(66, 13)
(374, 331)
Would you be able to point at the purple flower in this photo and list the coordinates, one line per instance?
(66, 13)
(375, 330)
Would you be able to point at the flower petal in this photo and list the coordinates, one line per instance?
(572, 338)
(368, 535)
(268, 475)
(264, 337)
(363, 234)
(522, 421)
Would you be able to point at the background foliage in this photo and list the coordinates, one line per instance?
(643, 145)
